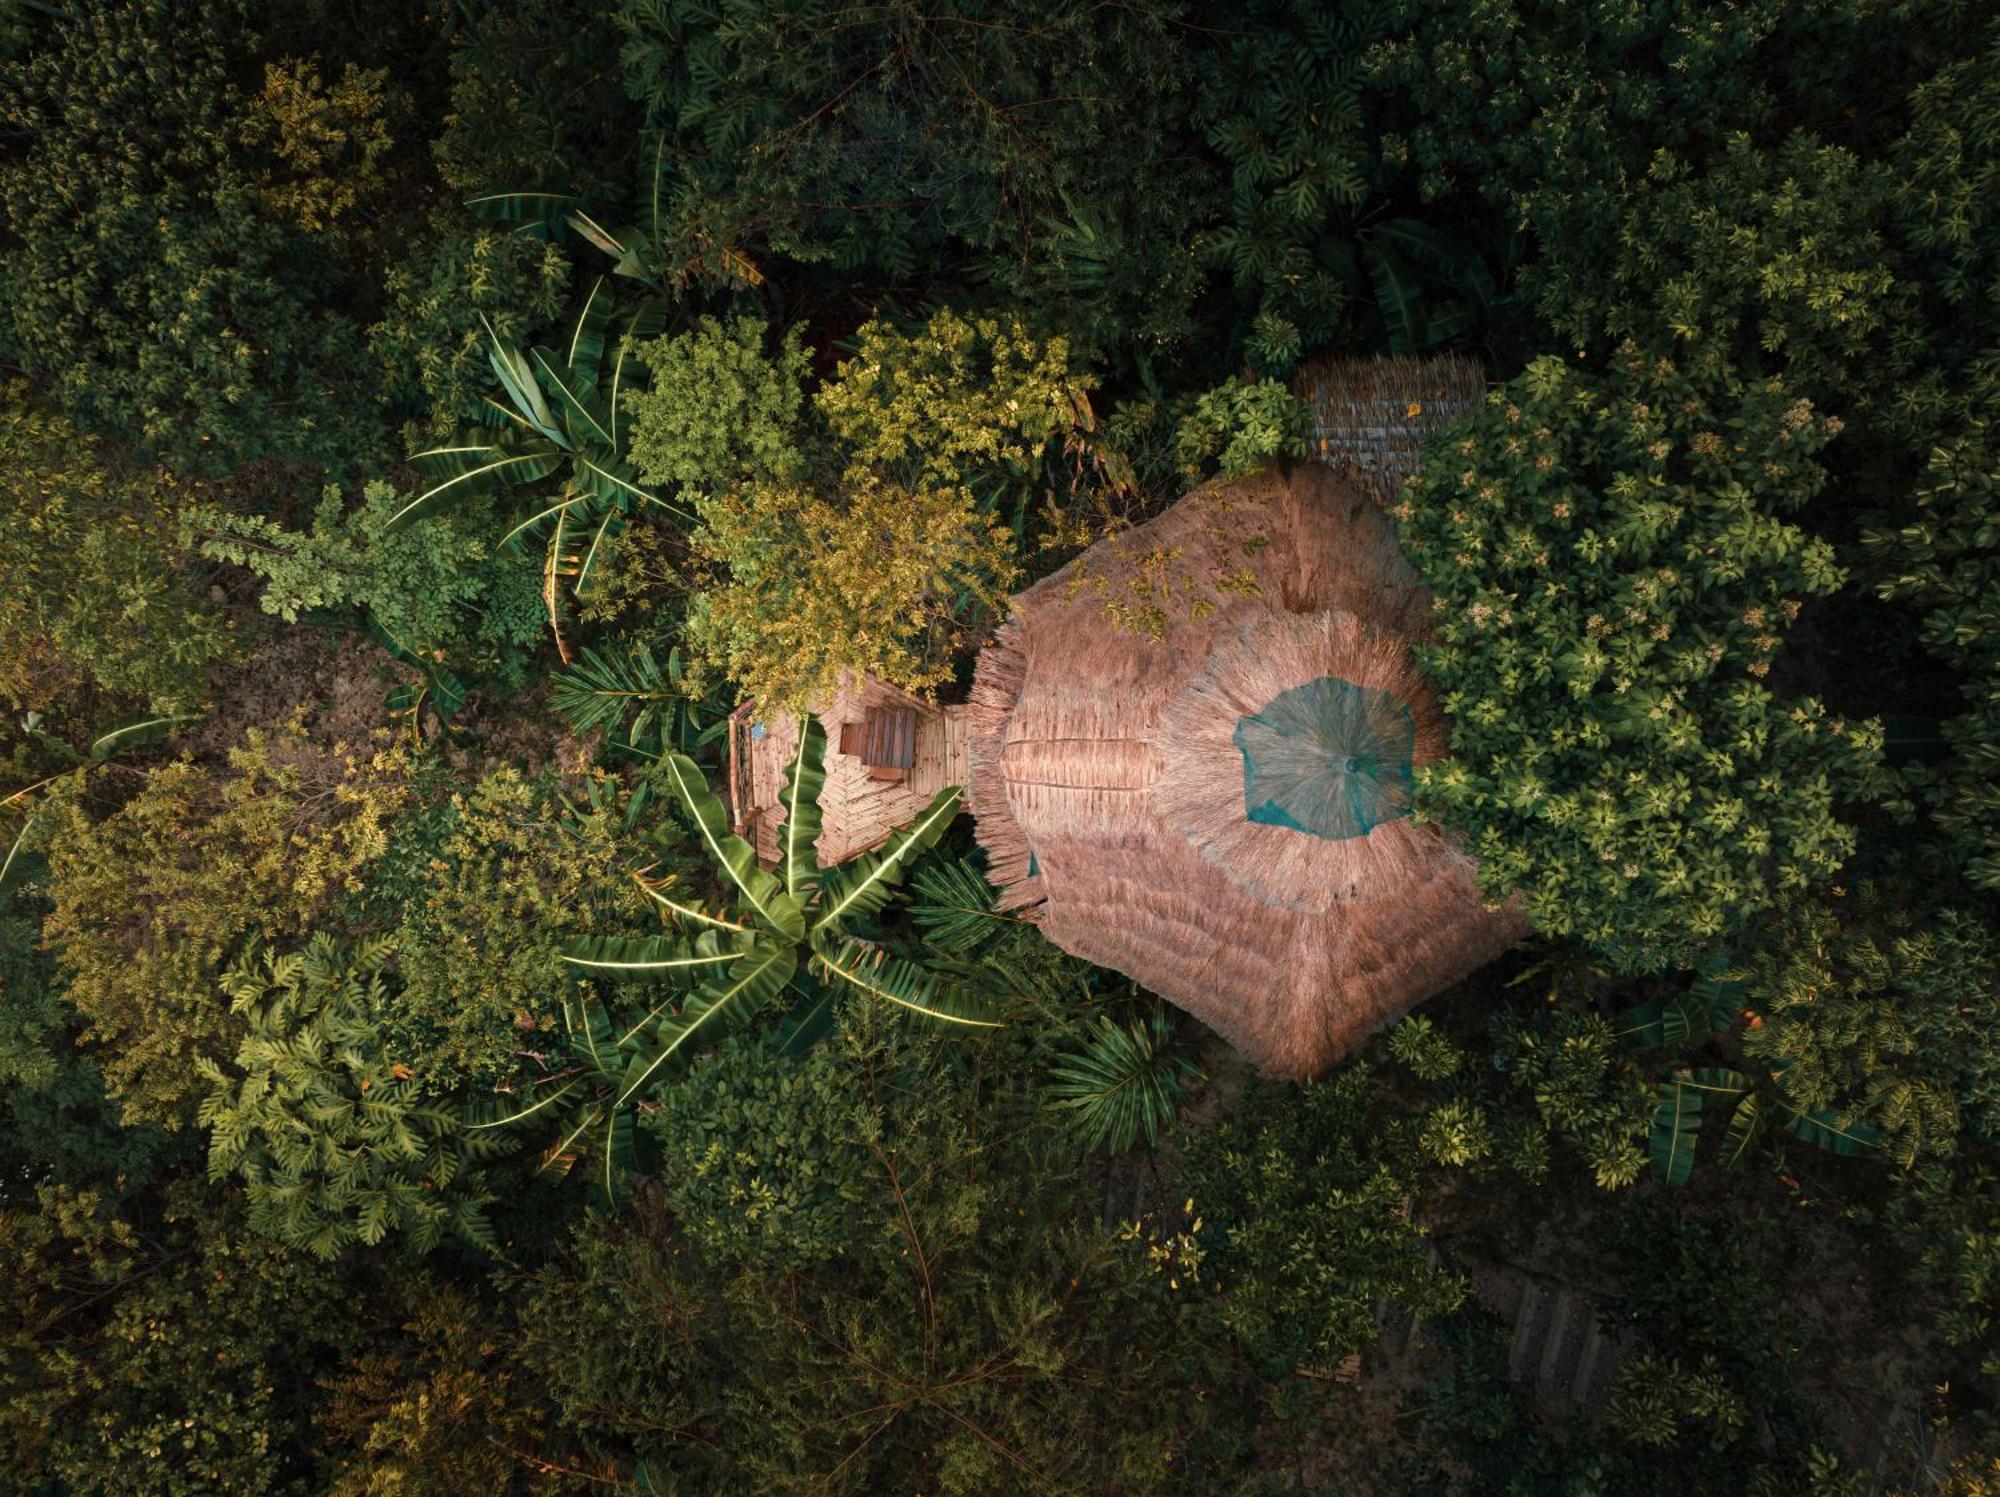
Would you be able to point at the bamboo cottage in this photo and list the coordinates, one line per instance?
(888, 753)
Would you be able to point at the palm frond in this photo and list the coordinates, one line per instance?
(954, 907)
(1125, 1082)
(625, 692)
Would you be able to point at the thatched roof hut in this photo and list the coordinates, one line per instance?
(887, 755)
(1192, 752)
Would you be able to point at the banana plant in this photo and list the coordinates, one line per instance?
(1427, 286)
(644, 252)
(1685, 1094)
(793, 931)
(1710, 1007)
(554, 450)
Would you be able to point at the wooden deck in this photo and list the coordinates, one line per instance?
(857, 811)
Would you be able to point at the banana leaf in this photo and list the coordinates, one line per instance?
(539, 214)
(136, 731)
(1822, 1127)
(758, 976)
(584, 418)
(876, 974)
(735, 860)
(1398, 297)
(584, 354)
(864, 886)
(646, 956)
(1443, 257)
(798, 837)
(15, 864)
(473, 470)
(1676, 1124)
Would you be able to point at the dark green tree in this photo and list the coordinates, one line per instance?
(146, 279)
(1614, 575)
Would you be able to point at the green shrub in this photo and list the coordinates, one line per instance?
(881, 558)
(90, 574)
(1556, 116)
(804, 588)
(763, 1156)
(151, 901)
(156, 1348)
(1766, 260)
(439, 590)
(1240, 425)
(55, 1120)
(1941, 554)
(1306, 1197)
(535, 102)
(719, 411)
(1280, 104)
(480, 945)
(785, 135)
(1585, 1092)
(1869, 1009)
(976, 1335)
(1946, 1216)
(442, 296)
(1613, 578)
(431, 1403)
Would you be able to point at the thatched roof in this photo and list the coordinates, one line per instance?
(857, 810)
(1370, 416)
(1212, 798)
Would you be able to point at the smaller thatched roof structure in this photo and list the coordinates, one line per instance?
(1371, 416)
(1193, 751)
(861, 803)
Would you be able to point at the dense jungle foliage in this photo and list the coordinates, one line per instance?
(422, 423)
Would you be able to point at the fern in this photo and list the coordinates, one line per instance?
(334, 1142)
(954, 908)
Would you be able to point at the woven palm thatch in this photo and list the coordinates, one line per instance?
(858, 810)
(1371, 416)
(1213, 798)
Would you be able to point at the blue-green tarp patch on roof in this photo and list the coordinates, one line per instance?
(1329, 758)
